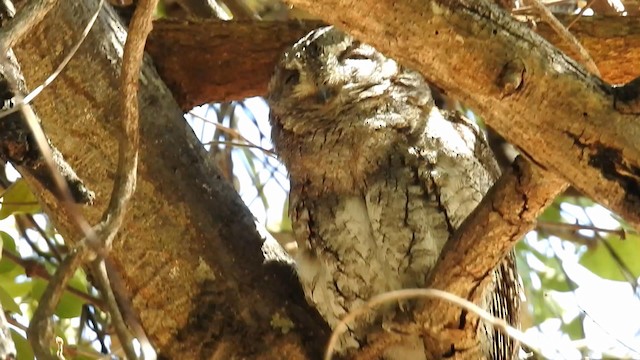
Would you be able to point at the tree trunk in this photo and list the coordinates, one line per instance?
(201, 279)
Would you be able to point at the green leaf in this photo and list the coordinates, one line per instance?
(15, 288)
(70, 305)
(18, 199)
(8, 303)
(8, 244)
(600, 260)
(574, 328)
(285, 222)
(22, 346)
(551, 214)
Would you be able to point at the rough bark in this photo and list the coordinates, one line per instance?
(200, 65)
(504, 72)
(188, 256)
(504, 216)
(221, 60)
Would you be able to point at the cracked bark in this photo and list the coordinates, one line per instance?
(505, 215)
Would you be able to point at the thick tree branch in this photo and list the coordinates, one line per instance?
(200, 63)
(560, 116)
(220, 60)
(466, 264)
(188, 253)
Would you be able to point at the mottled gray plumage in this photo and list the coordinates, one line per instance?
(380, 178)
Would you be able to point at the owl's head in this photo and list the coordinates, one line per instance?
(328, 67)
(338, 107)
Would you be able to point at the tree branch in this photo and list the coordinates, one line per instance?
(202, 280)
(200, 64)
(220, 60)
(465, 267)
(504, 73)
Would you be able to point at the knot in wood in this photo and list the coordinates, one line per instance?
(511, 77)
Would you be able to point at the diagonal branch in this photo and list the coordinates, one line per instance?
(505, 215)
(503, 73)
(98, 241)
(200, 65)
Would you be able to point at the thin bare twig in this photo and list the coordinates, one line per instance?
(579, 16)
(35, 269)
(564, 33)
(622, 233)
(247, 145)
(39, 333)
(534, 344)
(124, 335)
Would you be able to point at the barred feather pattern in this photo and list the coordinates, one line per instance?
(380, 179)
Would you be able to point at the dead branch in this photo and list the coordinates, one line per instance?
(564, 33)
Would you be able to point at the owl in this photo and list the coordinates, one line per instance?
(380, 177)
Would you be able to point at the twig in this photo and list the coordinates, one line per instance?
(33, 268)
(124, 335)
(38, 333)
(398, 295)
(248, 145)
(23, 22)
(579, 16)
(14, 322)
(622, 233)
(52, 245)
(564, 33)
(22, 231)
